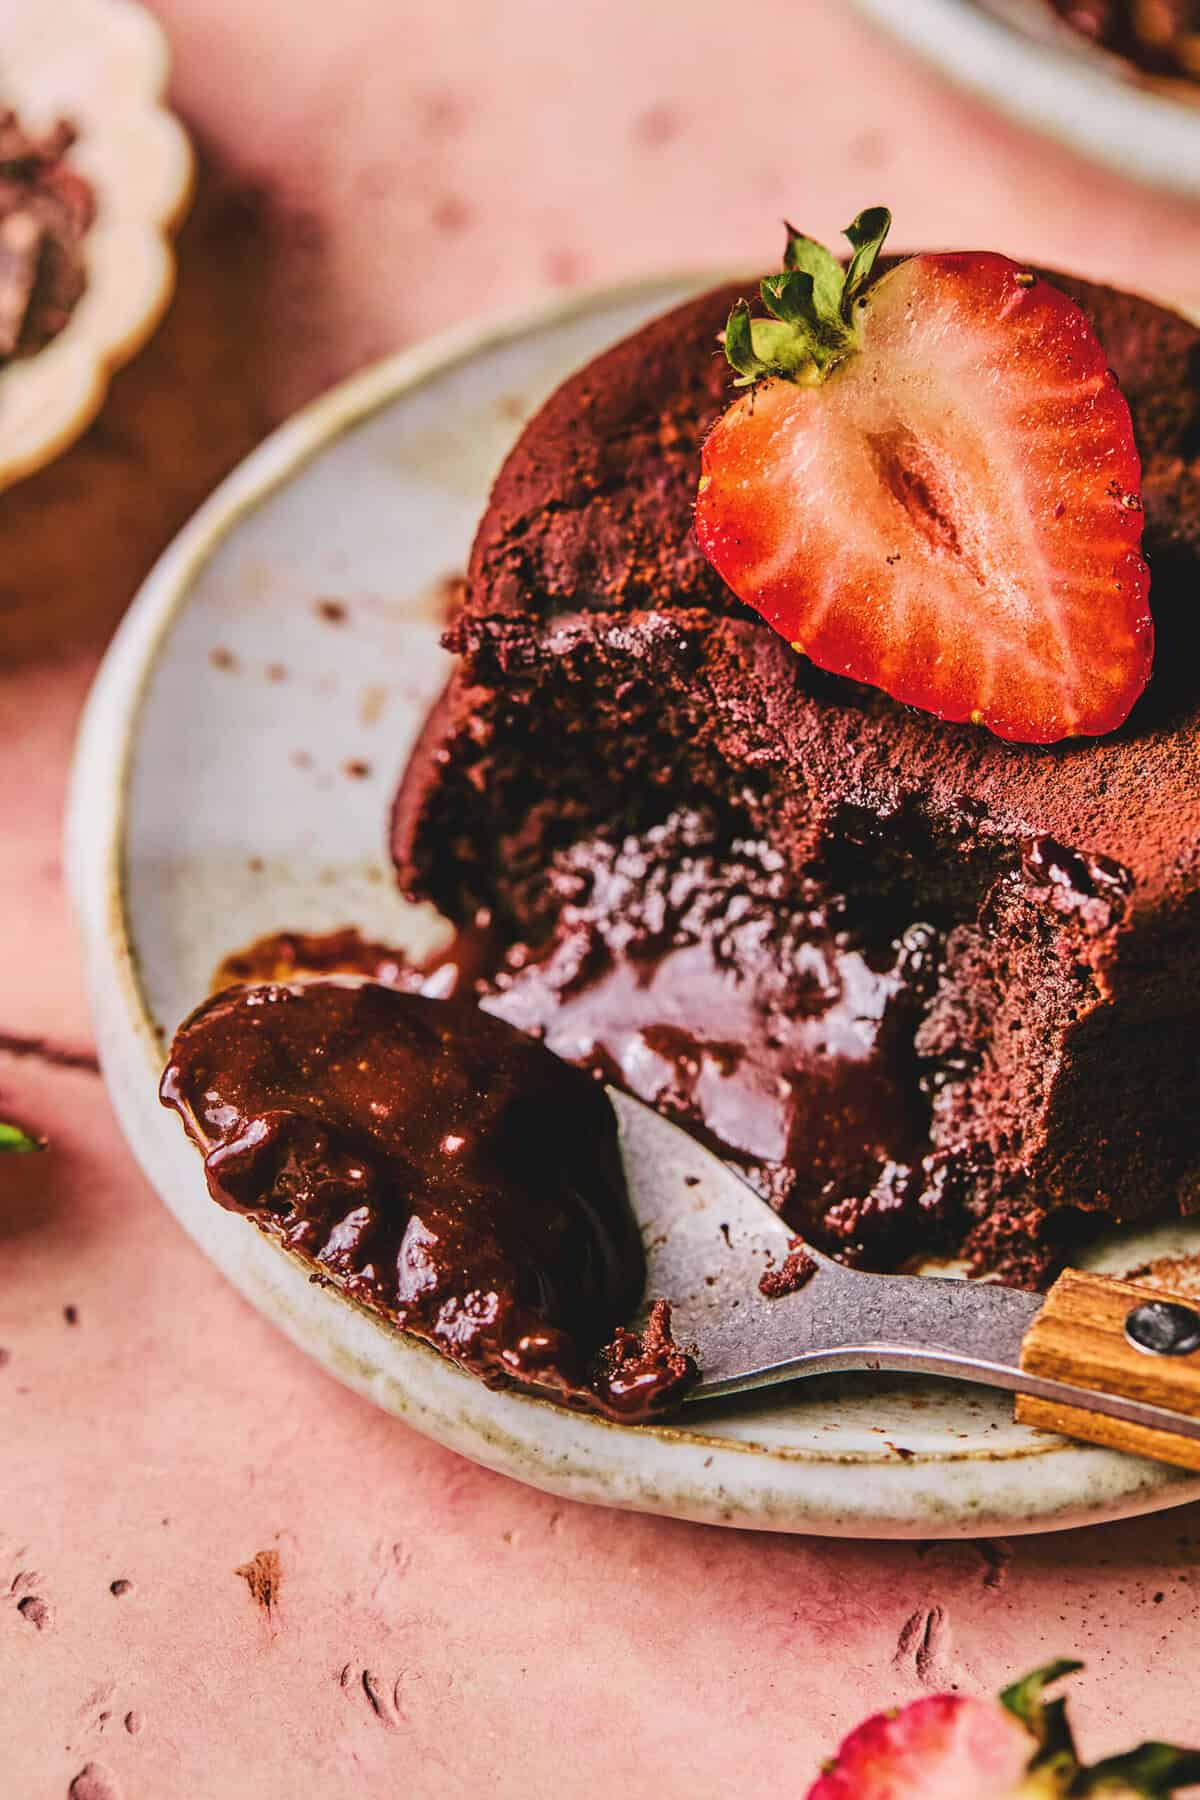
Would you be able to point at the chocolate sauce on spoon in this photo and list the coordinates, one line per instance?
(439, 1167)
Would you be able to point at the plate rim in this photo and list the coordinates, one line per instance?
(95, 839)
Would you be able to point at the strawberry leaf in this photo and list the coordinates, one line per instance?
(739, 345)
(1056, 1752)
(1154, 1770)
(807, 257)
(865, 234)
(13, 1138)
(1044, 1720)
(792, 297)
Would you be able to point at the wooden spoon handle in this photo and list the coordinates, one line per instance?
(1082, 1335)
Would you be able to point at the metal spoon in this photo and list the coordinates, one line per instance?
(709, 1238)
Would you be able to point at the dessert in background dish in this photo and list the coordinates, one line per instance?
(46, 207)
(1159, 37)
(935, 987)
(86, 212)
(441, 1169)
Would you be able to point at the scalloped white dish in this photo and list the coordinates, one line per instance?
(1043, 75)
(102, 64)
(232, 778)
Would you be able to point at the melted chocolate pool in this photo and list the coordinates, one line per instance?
(696, 973)
(439, 1167)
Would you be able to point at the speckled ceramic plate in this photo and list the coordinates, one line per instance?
(232, 778)
(1015, 55)
(102, 64)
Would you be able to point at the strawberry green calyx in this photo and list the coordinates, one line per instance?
(1153, 1770)
(812, 326)
(1043, 1719)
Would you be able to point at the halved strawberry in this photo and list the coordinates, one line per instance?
(952, 1747)
(932, 486)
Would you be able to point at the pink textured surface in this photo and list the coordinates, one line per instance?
(435, 1630)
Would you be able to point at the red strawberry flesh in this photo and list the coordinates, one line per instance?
(944, 1747)
(953, 514)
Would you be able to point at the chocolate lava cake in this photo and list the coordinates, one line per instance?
(933, 991)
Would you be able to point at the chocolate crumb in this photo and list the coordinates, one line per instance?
(221, 658)
(71, 1315)
(334, 612)
(121, 1586)
(261, 1575)
(357, 769)
(796, 1269)
(639, 1366)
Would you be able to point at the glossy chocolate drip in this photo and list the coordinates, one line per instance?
(439, 1167)
(284, 955)
(450, 973)
(1094, 889)
(694, 972)
(700, 977)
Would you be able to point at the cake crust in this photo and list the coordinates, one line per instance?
(592, 512)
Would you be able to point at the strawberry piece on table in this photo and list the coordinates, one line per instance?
(1019, 1747)
(931, 485)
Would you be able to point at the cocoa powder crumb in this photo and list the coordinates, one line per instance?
(794, 1271)
(261, 1575)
